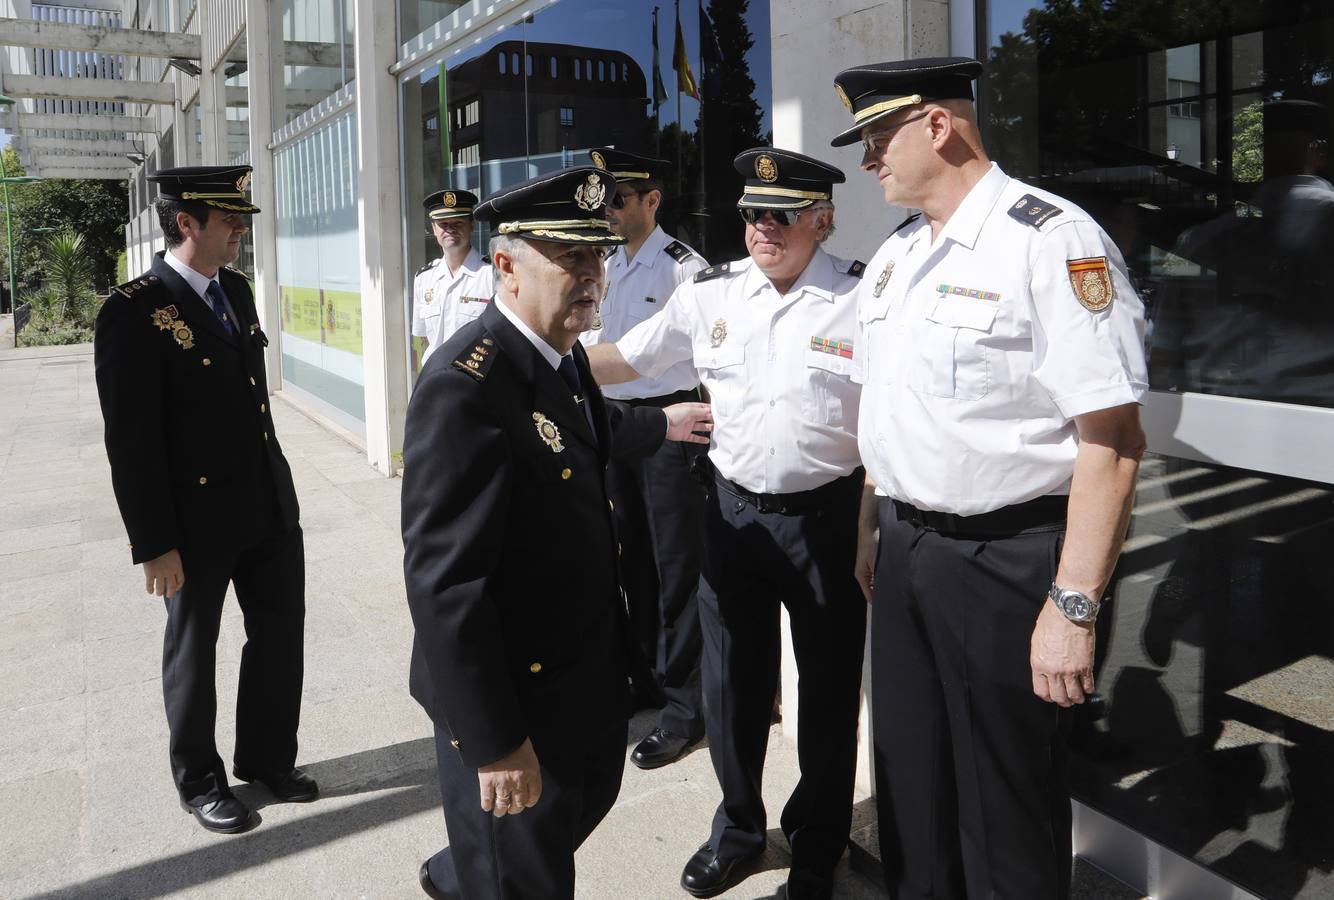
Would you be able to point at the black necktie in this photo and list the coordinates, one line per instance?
(568, 372)
(219, 298)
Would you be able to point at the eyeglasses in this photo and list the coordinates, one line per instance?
(871, 143)
(785, 217)
(617, 200)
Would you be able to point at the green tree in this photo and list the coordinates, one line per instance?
(93, 208)
(1248, 144)
(64, 307)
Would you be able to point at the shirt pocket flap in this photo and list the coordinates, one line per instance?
(975, 314)
(872, 309)
(818, 359)
(720, 357)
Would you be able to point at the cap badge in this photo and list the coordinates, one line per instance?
(719, 333)
(450, 200)
(843, 96)
(1092, 282)
(548, 432)
(883, 280)
(766, 169)
(591, 193)
(243, 182)
(598, 159)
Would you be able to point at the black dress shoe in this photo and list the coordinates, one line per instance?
(226, 815)
(659, 748)
(428, 886)
(707, 874)
(294, 786)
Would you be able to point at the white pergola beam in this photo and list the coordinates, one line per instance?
(98, 174)
(52, 161)
(102, 90)
(156, 44)
(82, 147)
(23, 121)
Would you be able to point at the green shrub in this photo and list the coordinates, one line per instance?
(122, 268)
(46, 334)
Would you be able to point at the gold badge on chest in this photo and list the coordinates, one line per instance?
(166, 319)
(548, 432)
(429, 296)
(719, 333)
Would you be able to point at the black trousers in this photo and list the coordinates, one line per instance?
(270, 581)
(529, 856)
(659, 511)
(753, 562)
(971, 767)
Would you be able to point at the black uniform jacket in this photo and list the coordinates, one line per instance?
(194, 460)
(510, 555)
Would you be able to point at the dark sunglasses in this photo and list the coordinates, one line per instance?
(617, 200)
(785, 217)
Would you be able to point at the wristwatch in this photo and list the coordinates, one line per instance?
(1074, 605)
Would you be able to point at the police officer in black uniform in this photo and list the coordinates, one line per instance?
(522, 648)
(205, 491)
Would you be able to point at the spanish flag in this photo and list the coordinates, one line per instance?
(685, 78)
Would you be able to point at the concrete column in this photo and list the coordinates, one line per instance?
(807, 113)
(213, 105)
(380, 222)
(264, 61)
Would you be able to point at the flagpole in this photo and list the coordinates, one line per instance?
(680, 158)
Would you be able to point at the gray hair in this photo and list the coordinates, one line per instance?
(823, 205)
(509, 244)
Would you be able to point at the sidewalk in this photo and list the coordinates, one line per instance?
(89, 807)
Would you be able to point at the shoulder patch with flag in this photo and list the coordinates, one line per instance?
(1092, 281)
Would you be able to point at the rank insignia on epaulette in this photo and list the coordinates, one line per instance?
(476, 361)
(883, 280)
(548, 432)
(719, 333)
(678, 251)
(1092, 281)
(130, 288)
(1032, 211)
(712, 272)
(857, 269)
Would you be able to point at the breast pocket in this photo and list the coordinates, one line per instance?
(470, 308)
(828, 378)
(954, 359)
(722, 369)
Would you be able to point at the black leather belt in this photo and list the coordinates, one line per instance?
(690, 395)
(1036, 515)
(797, 502)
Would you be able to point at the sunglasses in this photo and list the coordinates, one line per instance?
(617, 200)
(785, 217)
(872, 143)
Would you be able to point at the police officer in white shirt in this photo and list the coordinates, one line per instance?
(659, 506)
(771, 337)
(1000, 344)
(452, 290)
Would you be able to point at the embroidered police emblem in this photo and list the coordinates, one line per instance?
(590, 194)
(719, 333)
(598, 159)
(165, 319)
(548, 432)
(451, 199)
(243, 182)
(430, 295)
(597, 317)
(1092, 281)
(843, 97)
(883, 280)
(766, 169)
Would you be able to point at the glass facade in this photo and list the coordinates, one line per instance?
(581, 74)
(319, 275)
(1196, 133)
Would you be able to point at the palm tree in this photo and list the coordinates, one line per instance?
(69, 274)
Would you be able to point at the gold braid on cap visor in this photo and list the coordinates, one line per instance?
(887, 106)
(786, 192)
(549, 224)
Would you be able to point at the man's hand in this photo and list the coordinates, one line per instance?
(684, 419)
(1061, 656)
(512, 784)
(868, 547)
(164, 576)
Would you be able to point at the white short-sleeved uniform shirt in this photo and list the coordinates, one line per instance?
(778, 369)
(442, 303)
(978, 350)
(638, 289)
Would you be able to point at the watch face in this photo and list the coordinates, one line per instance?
(1077, 608)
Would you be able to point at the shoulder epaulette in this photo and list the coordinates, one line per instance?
(1032, 211)
(429, 265)
(855, 267)
(130, 288)
(477, 359)
(712, 272)
(678, 251)
(905, 223)
(487, 260)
